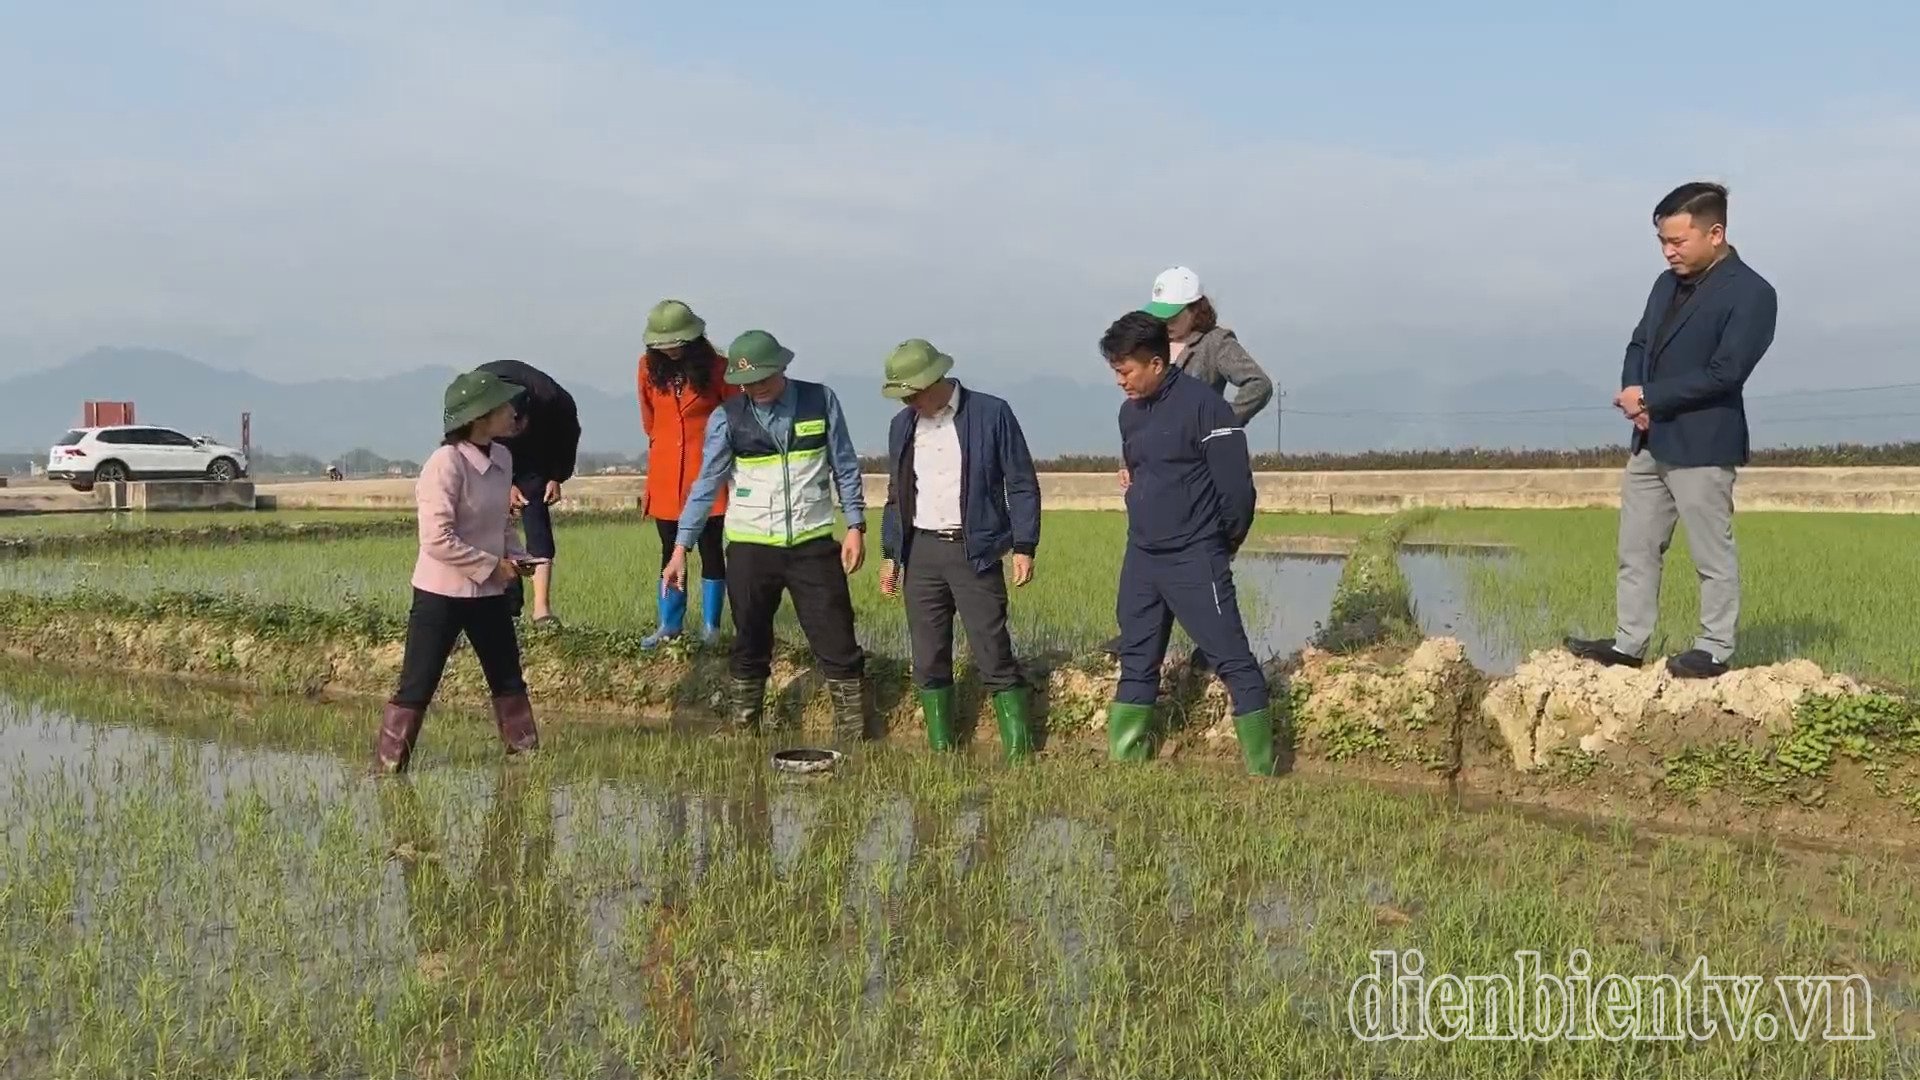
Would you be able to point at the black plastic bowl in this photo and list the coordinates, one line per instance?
(805, 761)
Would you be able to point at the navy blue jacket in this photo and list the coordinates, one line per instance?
(999, 492)
(1192, 479)
(1693, 374)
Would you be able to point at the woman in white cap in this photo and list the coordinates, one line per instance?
(1204, 349)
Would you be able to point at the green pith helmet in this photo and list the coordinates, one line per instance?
(672, 322)
(756, 355)
(472, 395)
(914, 366)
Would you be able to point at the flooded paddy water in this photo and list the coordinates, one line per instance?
(1291, 592)
(198, 884)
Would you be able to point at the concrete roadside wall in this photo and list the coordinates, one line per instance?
(1869, 490)
(1879, 490)
(141, 495)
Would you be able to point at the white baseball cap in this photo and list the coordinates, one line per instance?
(1173, 290)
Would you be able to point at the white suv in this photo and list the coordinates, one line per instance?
(111, 455)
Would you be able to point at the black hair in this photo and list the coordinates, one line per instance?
(694, 364)
(1705, 202)
(1133, 335)
(463, 433)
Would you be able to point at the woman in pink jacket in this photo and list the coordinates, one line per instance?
(468, 557)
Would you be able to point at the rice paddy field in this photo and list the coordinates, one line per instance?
(200, 883)
(68, 524)
(194, 884)
(1839, 589)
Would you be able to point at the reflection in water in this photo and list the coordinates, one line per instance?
(1293, 593)
(1064, 871)
(503, 940)
(504, 902)
(279, 915)
(880, 871)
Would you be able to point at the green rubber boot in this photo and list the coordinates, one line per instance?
(1016, 733)
(1129, 732)
(938, 705)
(1255, 731)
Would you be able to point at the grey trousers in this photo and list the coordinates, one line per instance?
(939, 582)
(1652, 498)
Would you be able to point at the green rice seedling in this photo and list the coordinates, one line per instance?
(1373, 604)
(609, 567)
(1835, 588)
(1838, 589)
(196, 884)
(126, 521)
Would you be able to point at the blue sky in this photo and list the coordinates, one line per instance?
(300, 188)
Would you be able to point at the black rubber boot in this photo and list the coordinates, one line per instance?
(849, 708)
(747, 704)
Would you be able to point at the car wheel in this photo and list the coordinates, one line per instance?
(111, 472)
(82, 485)
(223, 471)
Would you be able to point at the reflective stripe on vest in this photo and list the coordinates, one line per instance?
(781, 496)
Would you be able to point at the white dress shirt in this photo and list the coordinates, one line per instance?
(936, 468)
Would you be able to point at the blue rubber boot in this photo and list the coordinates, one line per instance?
(713, 597)
(673, 616)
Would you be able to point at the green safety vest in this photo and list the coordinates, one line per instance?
(782, 495)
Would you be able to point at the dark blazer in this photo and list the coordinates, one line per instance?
(999, 490)
(1693, 374)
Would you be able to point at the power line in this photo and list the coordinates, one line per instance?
(1542, 421)
(1831, 416)
(1561, 410)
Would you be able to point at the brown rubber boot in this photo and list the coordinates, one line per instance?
(399, 729)
(513, 715)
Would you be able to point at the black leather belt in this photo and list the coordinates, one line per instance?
(951, 536)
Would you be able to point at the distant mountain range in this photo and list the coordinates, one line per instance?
(395, 415)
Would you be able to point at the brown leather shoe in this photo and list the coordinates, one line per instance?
(513, 715)
(399, 729)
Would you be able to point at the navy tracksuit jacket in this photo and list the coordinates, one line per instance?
(1189, 508)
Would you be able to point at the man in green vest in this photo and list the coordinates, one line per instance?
(784, 447)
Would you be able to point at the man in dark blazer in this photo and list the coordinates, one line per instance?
(1707, 324)
(962, 497)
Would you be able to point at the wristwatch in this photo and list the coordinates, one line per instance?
(860, 525)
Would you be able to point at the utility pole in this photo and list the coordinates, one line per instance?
(1279, 421)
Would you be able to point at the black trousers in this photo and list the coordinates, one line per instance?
(536, 518)
(811, 572)
(941, 581)
(713, 559)
(435, 624)
(536, 523)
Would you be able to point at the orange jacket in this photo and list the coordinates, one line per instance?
(676, 425)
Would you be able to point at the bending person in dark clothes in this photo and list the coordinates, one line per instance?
(545, 445)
